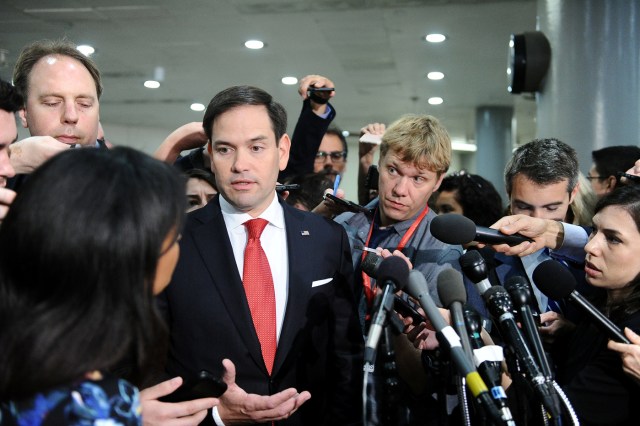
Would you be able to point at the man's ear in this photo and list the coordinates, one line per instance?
(574, 192)
(23, 118)
(437, 185)
(283, 151)
(611, 183)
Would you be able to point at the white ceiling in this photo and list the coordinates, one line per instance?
(372, 49)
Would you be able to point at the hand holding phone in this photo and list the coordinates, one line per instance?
(204, 385)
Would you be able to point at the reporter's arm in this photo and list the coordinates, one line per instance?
(187, 413)
(185, 137)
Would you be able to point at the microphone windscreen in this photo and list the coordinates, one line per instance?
(451, 287)
(453, 228)
(370, 264)
(394, 269)
(553, 279)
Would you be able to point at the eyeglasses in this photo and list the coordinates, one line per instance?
(334, 155)
(628, 178)
(594, 177)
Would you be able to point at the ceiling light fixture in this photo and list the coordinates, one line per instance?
(289, 80)
(254, 44)
(151, 84)
(463, 146)
(435, 38)
(197, 107)
(435, 100)
(85, 49)
(435, 75)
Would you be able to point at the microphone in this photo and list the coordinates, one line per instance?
(418, 289)
(500, 306)
(393, 272)
(454, 228)
(488, 359)
(401, 305)
(518, 288)
(452, 294)
(475, 268)
(371, 263)
(557, 282)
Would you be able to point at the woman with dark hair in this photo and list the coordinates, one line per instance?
(469, 195)
(591, 374)
(201, 188)
(88, 241)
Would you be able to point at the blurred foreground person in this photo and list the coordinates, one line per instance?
(89, 240)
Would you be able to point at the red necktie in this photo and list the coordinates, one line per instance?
(258, 286)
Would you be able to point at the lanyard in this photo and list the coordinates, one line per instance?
(369, 292)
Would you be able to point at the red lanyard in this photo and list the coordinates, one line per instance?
(369, 292)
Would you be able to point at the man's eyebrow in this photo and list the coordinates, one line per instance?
(58, 95)
(555, 203)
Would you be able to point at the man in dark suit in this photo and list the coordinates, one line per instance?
(209, 306)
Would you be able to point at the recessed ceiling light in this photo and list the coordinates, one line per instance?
(435, 100)
(289, 80)
(197, 106)
(85, 49)
(151, 84)
(435, 38)
(253, 44)
(435, 75)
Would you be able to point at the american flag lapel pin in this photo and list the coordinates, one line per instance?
(304, 233)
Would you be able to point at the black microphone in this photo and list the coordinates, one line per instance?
(371, 263)
(488, 359)
(557, 282)
(418, 289)
(518, 288)
(452, 294)
(401, 304)
(475, 268)
(500, 306)
(393, 272)
(454, 228)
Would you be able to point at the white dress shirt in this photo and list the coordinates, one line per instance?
(273, 241)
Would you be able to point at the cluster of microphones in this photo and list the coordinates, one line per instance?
(513, 310)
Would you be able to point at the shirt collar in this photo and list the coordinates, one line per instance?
(234, 218)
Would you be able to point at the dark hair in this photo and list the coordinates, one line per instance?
(202, 175)
(543, 161)
(333, 130)
(478, 197)
(78, 255)
(626, 197)
(245, 95)
(612, 159)
(10, 99)
(311, 192)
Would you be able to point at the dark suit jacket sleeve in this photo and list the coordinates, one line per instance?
(306, 139)
(348, 347)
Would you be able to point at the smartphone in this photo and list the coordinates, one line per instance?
(349, 205)
(204, 385)
(405, 307)
(287, 187)
(320, 89)
(371, 180)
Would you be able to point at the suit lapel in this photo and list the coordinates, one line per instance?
(212, 241)
(299, 242)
